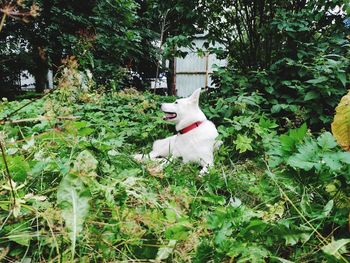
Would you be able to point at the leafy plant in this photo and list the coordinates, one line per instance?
(73, 198)
(336, 248)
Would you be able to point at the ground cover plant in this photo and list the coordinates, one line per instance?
(70, 190)
(76, 194)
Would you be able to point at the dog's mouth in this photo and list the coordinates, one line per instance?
(169, 115)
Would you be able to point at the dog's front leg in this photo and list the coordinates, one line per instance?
(206, 164)
(144, 157)
(161, 148)
(204, 170)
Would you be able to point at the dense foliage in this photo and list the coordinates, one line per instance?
(79, 193)
(70, 189)
(294, 53)
(108, 37)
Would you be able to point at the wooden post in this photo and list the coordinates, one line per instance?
(173, 86)
(206, 69)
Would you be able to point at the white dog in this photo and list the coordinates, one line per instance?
(196, 138)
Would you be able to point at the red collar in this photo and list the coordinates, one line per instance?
(190, 127)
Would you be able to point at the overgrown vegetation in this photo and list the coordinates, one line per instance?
(77, 194)
(70, 190)
(294, 53)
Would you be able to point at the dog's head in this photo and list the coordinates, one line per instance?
(184, 111)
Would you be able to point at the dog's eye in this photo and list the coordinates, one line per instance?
(176, 102)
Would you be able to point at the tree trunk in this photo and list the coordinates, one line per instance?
(171, 78)
(41, 70)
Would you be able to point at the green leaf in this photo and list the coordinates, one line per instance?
(344, 157)
(267, 123)
(18, 167)
(243, 143)
(332, 161)
(80, 124)
(276, 108)
(19, 233)
(85, 164)
(171, 215)
(306, 157)
(223, 233)
(294, 234)
(164, 252)
(294, 136)
(328, 208)
(216, 220)
(336, 248)
(178, 231)
(311, 95)
(317, 80)
(85, 131)
(287, 143)
(299, 133)
(326, 141)
(248, 252)
(293, 239)
(22, 238)
(281, 259)
(214, 199)
(73, 198)
(342, 77)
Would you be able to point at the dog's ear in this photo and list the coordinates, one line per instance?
(195, 96)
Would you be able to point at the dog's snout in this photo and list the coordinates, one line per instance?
(166, 107)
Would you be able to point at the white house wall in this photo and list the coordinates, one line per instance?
(27, 81)
(191, 63)
(186, 84)
(192, 71)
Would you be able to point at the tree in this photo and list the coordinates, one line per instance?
(105, 36)
(11, 45)
(292, 52)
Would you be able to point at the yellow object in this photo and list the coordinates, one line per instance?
(341, 123)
